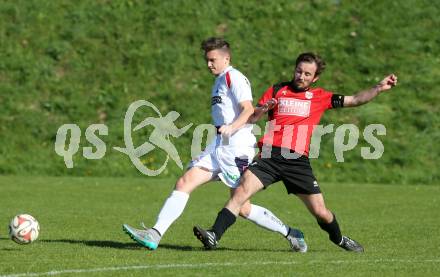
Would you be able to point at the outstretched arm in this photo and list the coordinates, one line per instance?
(261, 110)
(366, 96)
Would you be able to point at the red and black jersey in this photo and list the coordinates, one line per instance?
(295, 115)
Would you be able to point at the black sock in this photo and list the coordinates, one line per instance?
(332, 228)
(223, 221)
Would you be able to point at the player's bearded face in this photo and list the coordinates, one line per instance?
(304, 75)
(217, 61)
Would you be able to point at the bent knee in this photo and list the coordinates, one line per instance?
(322, 214)
(241, 194)
(182, 185)
(245, 210)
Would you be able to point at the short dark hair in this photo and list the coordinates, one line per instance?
(214, 43)
(310, 57)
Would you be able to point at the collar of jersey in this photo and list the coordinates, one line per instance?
(226, 70)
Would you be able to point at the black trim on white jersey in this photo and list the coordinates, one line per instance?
(216, 100)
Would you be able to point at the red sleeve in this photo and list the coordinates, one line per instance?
(326, 99)
(267, 95)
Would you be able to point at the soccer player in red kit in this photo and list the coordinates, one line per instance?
(294, 108)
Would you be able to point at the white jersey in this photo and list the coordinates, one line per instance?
(231, 88)
(227, 158)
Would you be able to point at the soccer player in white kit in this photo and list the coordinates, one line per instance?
(225, 158)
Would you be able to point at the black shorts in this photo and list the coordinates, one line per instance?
(296, 174)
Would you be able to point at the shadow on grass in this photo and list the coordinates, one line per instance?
(7, 249)
(135, 246)
(190, 248)
(119, 245)
(97, 243)
(10, 249)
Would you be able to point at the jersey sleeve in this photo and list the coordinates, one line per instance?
(239, 86)
(267, 95)
(326, 99)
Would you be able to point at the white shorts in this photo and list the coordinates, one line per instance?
(227, 162)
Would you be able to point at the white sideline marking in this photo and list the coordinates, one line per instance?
(166, 266)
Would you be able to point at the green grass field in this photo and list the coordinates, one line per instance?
(81, 232)
(85, 62)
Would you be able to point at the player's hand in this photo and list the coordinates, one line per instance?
(387, 83)
(269, 105)
(226, 130)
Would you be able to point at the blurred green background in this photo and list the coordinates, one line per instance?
(85, 62)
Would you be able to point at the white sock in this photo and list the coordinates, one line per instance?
(266, 219)
(171, 210)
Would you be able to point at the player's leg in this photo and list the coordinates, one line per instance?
(176, 202)
(327, 221)
(172, 208)
(266, 172)
(249, 185)
(264, 218)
